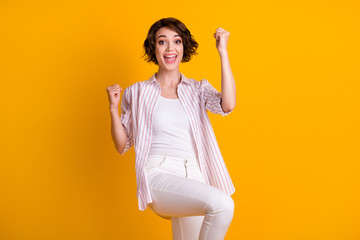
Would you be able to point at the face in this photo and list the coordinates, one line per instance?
(169, 48)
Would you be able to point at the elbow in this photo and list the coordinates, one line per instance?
(120, 145)
(228, 108)
(120, 149)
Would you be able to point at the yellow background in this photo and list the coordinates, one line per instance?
(291, 145)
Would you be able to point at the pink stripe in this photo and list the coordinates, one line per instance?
(196, 109)
(221, 175)
(207, 150)
(152, 103)
(142, 123)
(125, 117)
(190, 103)
(205, 129)
(216, 170)
(215, 148)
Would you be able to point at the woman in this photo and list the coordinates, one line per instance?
(180, 171)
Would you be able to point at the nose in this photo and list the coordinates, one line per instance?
(169, 46)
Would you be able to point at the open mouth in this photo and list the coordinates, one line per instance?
(170, 58)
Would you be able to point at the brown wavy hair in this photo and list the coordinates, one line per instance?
(188, 40)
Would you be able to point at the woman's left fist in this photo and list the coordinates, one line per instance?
(222, 37)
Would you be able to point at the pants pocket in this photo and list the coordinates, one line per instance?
(154, 163)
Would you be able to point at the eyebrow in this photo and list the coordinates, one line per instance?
(165, 36)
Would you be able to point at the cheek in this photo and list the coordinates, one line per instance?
(182, 51)
(159, 49)
(157, 52)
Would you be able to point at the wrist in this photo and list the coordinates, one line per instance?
(223, 53)
(114, 109)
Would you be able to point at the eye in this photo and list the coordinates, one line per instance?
(177, 41)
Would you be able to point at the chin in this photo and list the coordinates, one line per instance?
(169, 68)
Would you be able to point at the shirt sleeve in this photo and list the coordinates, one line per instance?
(212, 98)
(126, 120)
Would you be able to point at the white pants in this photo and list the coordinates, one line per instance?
(197, 210)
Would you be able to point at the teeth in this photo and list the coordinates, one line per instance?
(172, 56)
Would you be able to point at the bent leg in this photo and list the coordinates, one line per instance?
(186, 228)
(183, 197)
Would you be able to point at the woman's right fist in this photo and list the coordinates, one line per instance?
(114, 95)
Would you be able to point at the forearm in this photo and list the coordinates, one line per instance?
(228, 87)
(118, 133)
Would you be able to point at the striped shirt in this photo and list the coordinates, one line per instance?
(197, 97)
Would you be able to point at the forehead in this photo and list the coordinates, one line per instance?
(165, 31)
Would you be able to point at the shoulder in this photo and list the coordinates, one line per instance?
(201, 86)
(204, 82)
(193, 83)
(206, 86)
(198, 83)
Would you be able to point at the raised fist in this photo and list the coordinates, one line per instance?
(222, 38)
(114, 95)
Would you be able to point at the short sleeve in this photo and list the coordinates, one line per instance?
(126, 120)
(212, 98)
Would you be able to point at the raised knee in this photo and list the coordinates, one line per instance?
(223, 203)
(228, 204)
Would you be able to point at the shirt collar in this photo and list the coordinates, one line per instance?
(183, 78)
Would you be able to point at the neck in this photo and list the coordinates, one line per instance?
(168, 78)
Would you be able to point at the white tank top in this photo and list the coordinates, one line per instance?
(172, 133)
